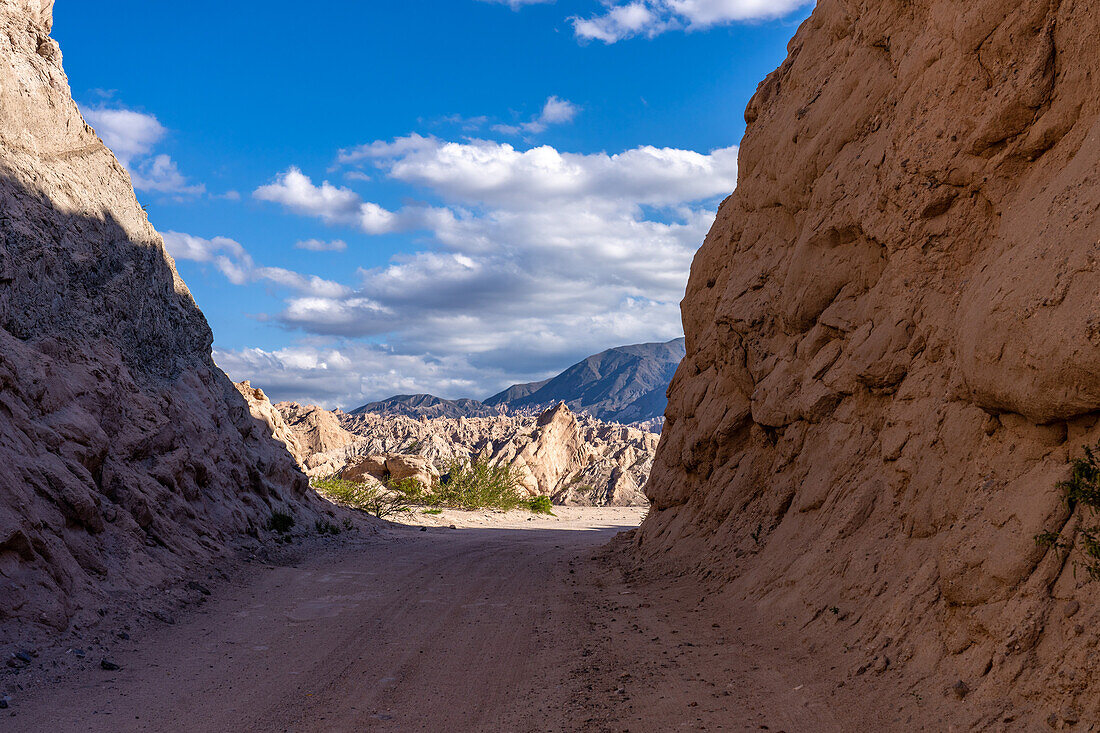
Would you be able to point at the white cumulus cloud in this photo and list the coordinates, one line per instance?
(339, 205)
(650, 18)
(555, 111)
(237, 265)
(532, 257)
(133, 136)
(319, 245)
(349, 374)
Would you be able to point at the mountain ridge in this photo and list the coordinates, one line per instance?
(623, 384)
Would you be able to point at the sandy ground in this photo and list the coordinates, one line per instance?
(505, 623)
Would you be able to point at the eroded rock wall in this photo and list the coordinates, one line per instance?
(893, 344)
(126, 454)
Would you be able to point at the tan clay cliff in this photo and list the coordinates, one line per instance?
(126, 454)
(893, 347)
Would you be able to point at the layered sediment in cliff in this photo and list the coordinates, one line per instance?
(893, 342)
(127, 455)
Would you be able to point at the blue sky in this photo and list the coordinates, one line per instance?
(377, 197)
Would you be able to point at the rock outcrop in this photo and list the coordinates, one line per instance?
(573, 459)
(127, 455)
(317, 431)
(390, 469)
(262, 409)
(893, 342)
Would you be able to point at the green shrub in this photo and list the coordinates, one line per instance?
(465, 485)
(323, 527)
(280, 522)
(478, 485)
(540, 505)
(415, 491)
(378, 500)
(1081, 489)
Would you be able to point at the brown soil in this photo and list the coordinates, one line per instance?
(521, 625)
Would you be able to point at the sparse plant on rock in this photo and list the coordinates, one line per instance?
(1081, 489)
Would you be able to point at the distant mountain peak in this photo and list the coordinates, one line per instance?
(425, 405)
(625, 384)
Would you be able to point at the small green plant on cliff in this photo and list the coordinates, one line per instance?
(380, 501)
(756, 534)
(1081, 489)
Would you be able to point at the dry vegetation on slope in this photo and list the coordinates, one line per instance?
(893, 341)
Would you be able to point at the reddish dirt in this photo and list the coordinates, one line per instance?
(480, 628)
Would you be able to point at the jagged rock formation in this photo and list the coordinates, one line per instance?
(573, 459)
(316, 430)
(127, 455)
(893, 341)
(262, 409)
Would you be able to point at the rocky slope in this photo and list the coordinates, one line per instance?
(127, 454)
(573, 459)
(893, 338)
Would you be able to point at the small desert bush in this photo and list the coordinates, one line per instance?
(323, 527)
(478, 485)
(540, 505)
(465, 485)
(378, 500)
(1081, 489)
(412, 489)
(280, 522)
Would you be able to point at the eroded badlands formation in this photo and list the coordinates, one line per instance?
(126, 454)
(893, 347)
(574, 459)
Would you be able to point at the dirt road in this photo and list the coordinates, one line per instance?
(511, 626)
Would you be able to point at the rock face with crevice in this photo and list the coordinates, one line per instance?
(127, 455)
(893, 346)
